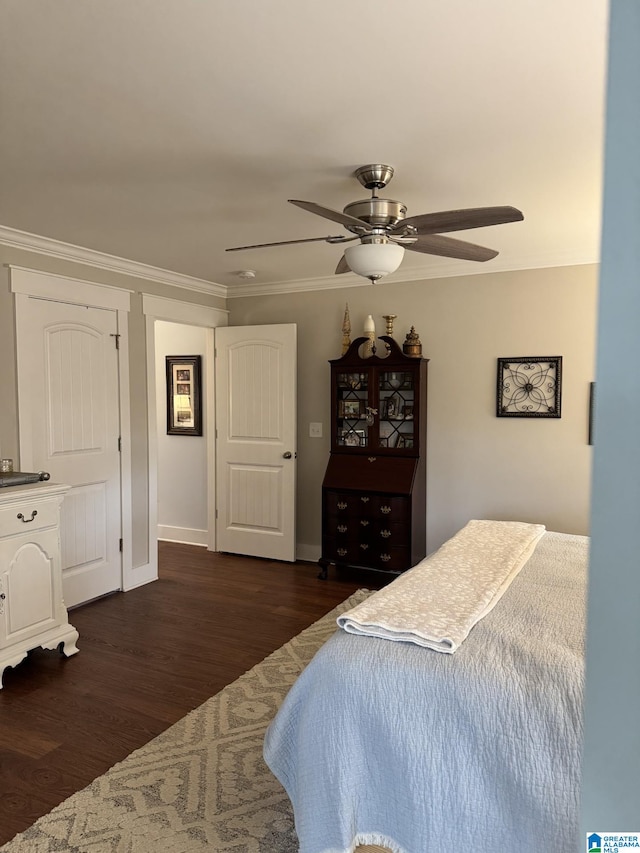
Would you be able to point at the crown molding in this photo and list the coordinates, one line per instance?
(101, 260)
(435, 268)
(251, 288)
(439, 268)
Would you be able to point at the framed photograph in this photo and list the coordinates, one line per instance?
(350, 409)
(392, 409)
(354, 437)
(404, 440)
(184, 394)
(529, 387)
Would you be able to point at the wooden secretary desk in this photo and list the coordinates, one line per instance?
(374, 488)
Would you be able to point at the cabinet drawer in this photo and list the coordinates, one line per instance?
(362, 505)
(393, 559)
(368, 554)
(341, 505)
(392, 535)
(393, 509)
(35, 515)
(350, 551)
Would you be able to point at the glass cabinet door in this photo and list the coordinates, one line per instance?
(396, 414)
(352, 428)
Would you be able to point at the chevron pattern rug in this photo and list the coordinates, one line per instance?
(202, 784)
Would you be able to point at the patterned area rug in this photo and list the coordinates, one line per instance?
(202, 784)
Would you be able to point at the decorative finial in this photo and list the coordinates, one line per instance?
(412, 345)
(346, 330)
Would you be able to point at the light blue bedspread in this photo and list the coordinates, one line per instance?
(382, 742)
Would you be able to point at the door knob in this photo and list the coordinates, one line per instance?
(286, 455)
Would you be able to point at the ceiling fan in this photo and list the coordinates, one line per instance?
(383, 232)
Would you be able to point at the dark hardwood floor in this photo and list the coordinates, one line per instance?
(146, 658)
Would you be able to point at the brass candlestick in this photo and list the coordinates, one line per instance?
(346, 330)
(389, 318)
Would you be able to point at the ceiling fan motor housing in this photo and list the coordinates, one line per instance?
(375, 176)
(376, 212)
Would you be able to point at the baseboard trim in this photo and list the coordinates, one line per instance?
(308, 553)
(183, 535)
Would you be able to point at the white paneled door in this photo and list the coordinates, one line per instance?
(256, 440)
(69, 426)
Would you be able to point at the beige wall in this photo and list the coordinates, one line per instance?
(138, 368)
(479, 466)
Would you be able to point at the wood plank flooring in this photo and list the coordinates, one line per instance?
(146, 659)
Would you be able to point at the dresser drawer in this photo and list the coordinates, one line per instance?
(367, 554)
(391, 559)
(340, 504)
(350, 551)
(393, 509)
(342, 535)
(363, 505)
(27, 517)
(393, 535)
(339, 550)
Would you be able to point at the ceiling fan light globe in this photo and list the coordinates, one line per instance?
(374, 260)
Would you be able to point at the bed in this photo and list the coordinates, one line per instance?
(397, 745)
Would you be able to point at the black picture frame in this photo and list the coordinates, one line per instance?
(529, 387)
(184, 410)
(592, 403)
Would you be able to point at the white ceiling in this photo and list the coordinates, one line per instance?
(164, 131)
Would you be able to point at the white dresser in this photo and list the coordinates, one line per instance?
(32, 610)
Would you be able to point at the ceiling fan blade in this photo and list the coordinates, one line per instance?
(436, 244)
(328, 213)
(340, 239)
(459, 220)
(343, 266)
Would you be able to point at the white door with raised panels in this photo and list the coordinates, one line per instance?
(69, 426)
(256, 440)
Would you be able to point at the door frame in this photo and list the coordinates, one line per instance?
(190, 314)
(25, 283)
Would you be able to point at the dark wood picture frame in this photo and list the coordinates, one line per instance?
(351, 409)
(529, 387)
(184, 410)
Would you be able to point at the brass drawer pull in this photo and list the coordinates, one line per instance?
(385, 509)
(342, 528)
(385, 534)
(364, 546)
(385, 557)
(342, 552)
(364, 500)
(342, 505)
(34, 512)
(372, 458)
(364, 522)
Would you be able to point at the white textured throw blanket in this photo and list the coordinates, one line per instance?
(437, 602)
